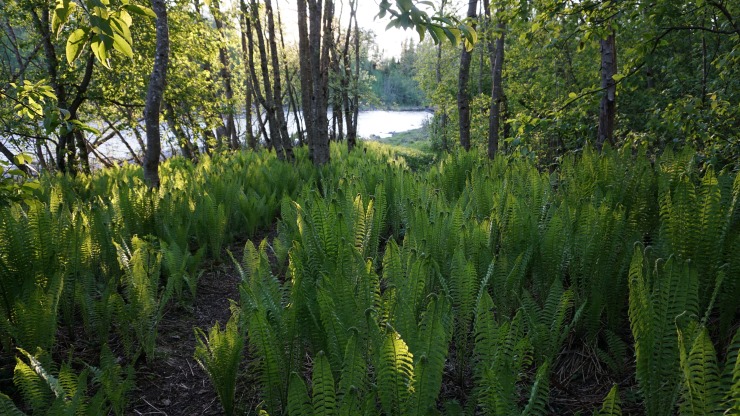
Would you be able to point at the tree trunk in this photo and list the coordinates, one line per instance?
(69, 142)
(292, 101)
(304, 53)
(154, 94)
(497, 64)
(182, 139)
(608, 107)
(277, 88)
(223, 55)
(441, 113)
(352, 104)
(463, 81)
(266, 100)
(314, 64)
(251, 142)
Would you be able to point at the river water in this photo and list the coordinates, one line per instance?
(371, 125)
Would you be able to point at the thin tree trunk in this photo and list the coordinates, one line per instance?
(277, 87)
(307, 89)
(443, 112)
(292, 102)
(314, 64)
(154, 94)
(608, 106)
(497, 63)
(182, 140)
(251, 142)
(266, 100)
(223, 55)
(463, 80)
(353, 103)
(66, 149)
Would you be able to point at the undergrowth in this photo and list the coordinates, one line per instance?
(405, 286)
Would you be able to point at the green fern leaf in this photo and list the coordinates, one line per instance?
(433, 340)
(324, 395)
(219, 353)
(540, 392)
(702, 392)
(395, 374)
(611, 405)
(352, 378)
(299, 403)
(7, 407)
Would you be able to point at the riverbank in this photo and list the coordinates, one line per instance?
(417, 139)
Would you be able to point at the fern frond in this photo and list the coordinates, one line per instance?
(324, 395)
(7, 407)
(611, 405)
(433, 340)
(299, 404)
(219, 353)
(352, 378)
(540, 392)
(702, 392)
(395, 374)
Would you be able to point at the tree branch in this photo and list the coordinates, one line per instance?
(727, 15)
(705, 29)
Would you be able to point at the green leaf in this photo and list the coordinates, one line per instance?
(618, 77)
(75, 43)
(59, 18)
(7, 407)
(23, 159)
(140, 10)
(121, 45)
(572, 95)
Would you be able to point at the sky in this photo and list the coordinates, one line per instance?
(389, 41)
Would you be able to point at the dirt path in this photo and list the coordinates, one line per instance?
(174, 384)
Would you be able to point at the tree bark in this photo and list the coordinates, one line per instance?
(249, 134)
(277, 88)
(314, 64)
(304, 53)
(608, 106)
(223, 56)
(463, 81)
(69, 143)
(352, 104)
(268, 99)
(154, 94)
(11, 157)
(497, 64)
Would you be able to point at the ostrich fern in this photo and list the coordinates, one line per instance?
(219, 353)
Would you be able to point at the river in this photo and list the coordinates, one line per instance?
(372, 124)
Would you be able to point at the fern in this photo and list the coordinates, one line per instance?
(539, 393)
(395, 374)
(7, 407)
(433, 339)
(299, 404)
(656, 300)
(352, 380)
(141, 287)
(324, 395)
(701, 392)
(611, 405)
(219, 353)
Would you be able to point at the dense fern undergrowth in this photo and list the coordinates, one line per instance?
(464, 288)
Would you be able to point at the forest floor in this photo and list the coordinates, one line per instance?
(174, 383)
